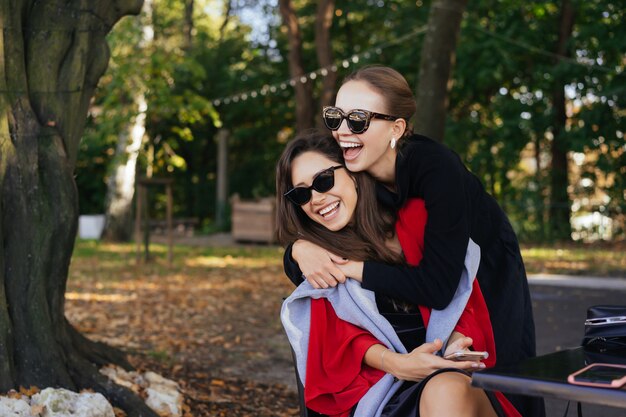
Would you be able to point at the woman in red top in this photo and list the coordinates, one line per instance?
(317, 201)
(371, 122)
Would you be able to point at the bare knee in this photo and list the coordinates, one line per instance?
(450, 393)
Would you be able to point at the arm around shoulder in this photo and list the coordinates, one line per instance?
(291, 266)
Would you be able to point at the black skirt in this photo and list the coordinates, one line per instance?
(409, 326)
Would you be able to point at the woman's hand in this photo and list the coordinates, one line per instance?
(319, 267)
(352, 269)
(422, 361)
(457, 342)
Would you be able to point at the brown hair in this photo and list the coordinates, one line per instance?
(364, 238)
(392, 86)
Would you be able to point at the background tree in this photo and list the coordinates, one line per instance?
(559, 198)
(323, 46)
(51, 57)
(123, 167)
(301, 84)
(436, 64)
(500, 116)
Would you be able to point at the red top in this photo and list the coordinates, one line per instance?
(336, 377)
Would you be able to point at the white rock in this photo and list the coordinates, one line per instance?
(156, 379)
(131, 380)
(58, 402)
(162, 395)
(93, 404)
(14, 407)
(165, 402)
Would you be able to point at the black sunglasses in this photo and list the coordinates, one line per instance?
(358, 120)
(322, 182)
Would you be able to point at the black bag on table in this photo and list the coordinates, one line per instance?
(605, 329)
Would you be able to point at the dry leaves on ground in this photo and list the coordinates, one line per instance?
(209, 323)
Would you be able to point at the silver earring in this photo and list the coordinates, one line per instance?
(393, 143)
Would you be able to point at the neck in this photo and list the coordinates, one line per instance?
(385, 169)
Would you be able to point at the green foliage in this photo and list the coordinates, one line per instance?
(500, 119)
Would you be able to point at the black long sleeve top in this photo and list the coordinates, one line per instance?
(458, 208)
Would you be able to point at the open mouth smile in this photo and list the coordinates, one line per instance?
(350, 149)
(329, 209)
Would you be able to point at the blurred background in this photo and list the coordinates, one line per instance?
(206, 93)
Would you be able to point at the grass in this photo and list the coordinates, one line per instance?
(607, 260)
(116, 261)
(576, 259)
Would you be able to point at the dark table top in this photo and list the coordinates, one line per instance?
(546, 376)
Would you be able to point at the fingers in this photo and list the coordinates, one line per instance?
(460, 344)
(466, 365)
(324, 280)
(430, 347)
(465, 342)
(338, 259)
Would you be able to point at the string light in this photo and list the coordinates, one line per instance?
(310, 76)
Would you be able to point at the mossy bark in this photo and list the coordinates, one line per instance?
(52, 55)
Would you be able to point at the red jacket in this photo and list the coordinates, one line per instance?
(336, 377)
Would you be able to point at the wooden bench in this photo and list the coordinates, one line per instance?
(254, 220)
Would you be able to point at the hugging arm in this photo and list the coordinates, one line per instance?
(305, 259)
(291, 267)
(439, 180)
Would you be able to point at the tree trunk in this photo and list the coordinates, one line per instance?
(221, 200)
(304, 95)
(559, 204)
(51, 56)
(539, 200)
(121, 186)
(188, 24)
(118, 226)
(323, 22)
(437, 61)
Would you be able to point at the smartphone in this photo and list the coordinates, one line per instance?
(599, 375)
(467, 355)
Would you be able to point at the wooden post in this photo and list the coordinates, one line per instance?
(142, 215)
(146, 224)
(170, 231)
(138, 208)
(222, 178)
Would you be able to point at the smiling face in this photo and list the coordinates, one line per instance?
(368, 151)
(334, 208)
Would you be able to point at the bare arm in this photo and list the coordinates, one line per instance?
(413, 366)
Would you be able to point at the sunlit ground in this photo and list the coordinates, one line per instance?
(120, 259)
(594, 260)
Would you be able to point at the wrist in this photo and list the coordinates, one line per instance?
(392, 363)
